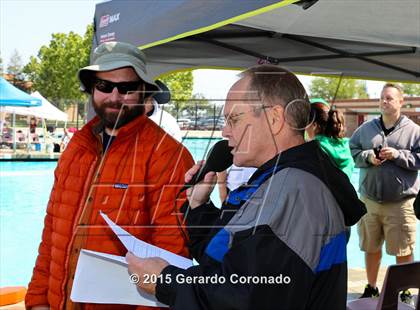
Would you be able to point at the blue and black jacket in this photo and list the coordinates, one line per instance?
(277, 243)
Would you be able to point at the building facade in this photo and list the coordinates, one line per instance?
(357, 111)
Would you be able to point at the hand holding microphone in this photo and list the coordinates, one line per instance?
(201, 178)
(200, 193)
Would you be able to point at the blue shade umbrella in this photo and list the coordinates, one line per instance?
(12, 96)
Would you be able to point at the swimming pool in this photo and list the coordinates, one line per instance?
(24, 192)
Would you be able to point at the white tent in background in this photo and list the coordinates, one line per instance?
(45, 111)
(48, 111)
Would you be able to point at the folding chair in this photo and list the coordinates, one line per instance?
(398, 278)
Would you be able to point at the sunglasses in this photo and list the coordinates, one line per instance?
(105, 86)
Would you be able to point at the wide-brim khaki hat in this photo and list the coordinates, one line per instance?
(115, 55)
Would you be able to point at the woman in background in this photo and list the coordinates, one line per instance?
(328, 128)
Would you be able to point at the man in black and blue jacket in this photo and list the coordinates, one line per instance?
(278, 242)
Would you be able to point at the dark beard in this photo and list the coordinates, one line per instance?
(116, 120)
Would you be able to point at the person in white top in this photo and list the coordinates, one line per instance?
(161, 117)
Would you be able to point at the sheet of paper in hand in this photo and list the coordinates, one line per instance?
(103, 278)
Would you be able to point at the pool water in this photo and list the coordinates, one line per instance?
(24, 190)
(24, 193)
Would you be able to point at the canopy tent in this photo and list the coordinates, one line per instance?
(45, 111)
(364, 39)
(12, 96)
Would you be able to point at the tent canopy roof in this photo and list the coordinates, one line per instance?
(46, 110)
(365, 39)
(12, 96)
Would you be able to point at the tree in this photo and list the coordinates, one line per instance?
(181, 86)
(54, 71)
(15, 66)
(411, 90)
(197, 103)
(327, 88)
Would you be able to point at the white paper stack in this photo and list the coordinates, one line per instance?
(103, 278)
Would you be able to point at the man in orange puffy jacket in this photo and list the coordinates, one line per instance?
(120, 163)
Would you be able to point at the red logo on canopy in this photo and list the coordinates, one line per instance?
(104, 21)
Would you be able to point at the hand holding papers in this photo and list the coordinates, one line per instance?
(143, 249)
(103, 278)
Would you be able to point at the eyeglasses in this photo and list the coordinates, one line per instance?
(233, 119)
(107, 87)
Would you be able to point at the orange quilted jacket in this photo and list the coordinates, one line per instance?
(135, 183)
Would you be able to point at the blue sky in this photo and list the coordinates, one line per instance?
(26, 25)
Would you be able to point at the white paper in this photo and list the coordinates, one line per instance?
(110, 257)
(143, 249)
(103, 278)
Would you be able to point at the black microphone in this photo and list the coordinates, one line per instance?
(219, 158)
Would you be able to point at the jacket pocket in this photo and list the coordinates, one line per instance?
(400, 186)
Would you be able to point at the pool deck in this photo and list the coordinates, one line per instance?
(356, 284)
(24, 155)
(205, 134)
(357, 281)
(20, 155)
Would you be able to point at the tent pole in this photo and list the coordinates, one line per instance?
(2, 120)
(338, 87)
(298, 38)
(44, 128)
(14, 131)
(28, 137)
